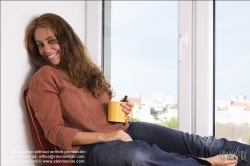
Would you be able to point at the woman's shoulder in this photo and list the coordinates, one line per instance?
(50, 73)
(45, 71)
(45, 76)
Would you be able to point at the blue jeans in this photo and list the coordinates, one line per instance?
(155, 145)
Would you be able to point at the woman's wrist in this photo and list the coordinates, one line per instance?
(100, 137)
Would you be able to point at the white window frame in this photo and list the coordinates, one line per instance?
(184, 96)
(203, 91)
(195, 71)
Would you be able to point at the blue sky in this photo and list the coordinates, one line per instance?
(232, 49)
(144, 48)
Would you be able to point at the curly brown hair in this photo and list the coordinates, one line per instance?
(74, 55)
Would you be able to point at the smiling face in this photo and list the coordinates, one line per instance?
(47, 45)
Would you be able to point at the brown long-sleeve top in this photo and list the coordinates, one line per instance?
(63, 109)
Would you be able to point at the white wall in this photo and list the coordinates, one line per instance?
(16, 68)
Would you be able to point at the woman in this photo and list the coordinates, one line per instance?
(70, 95)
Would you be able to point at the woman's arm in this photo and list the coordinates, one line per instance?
(83, 138)
(44, 98)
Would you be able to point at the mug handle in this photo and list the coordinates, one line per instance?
(131, 115)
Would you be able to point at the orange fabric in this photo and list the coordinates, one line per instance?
(63, 109)
(42, 145)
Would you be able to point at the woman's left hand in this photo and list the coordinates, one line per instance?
(127, 108)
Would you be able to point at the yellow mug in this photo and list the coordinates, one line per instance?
(115, 113)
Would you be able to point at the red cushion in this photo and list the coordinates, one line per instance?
(42, 146)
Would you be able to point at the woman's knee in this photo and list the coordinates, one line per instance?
(139, 152)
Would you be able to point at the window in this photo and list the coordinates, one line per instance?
(232, 90)
(140, 57)
(141, 42)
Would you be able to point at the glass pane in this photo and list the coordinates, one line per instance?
(142, 62)
(232, 112)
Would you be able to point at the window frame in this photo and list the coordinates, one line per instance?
(203, 52)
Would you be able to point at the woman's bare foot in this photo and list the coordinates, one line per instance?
(222, 160)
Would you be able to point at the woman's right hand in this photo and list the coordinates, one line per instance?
(115, 136)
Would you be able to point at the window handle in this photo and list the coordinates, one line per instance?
(182, 42)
